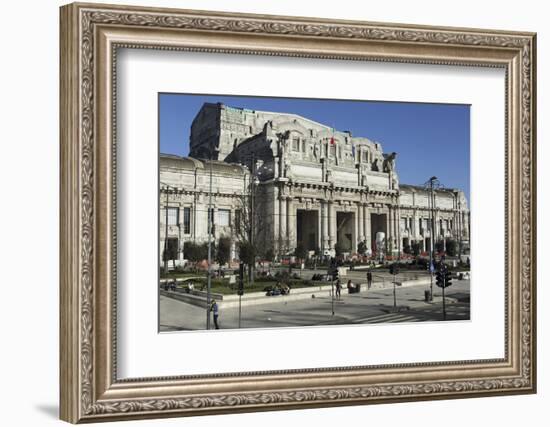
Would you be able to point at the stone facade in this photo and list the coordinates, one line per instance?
(302, 182)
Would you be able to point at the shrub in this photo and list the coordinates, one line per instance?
(452, 247)
(223, 251)
(247, 252)
(195, 252)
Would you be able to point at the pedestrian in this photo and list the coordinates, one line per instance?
(369, 279)
(214, 309)
(338, 289)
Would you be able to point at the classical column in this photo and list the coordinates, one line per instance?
(320, 226)
(276, 167)
(324, 226)
(331, 225)
(282, 159)
(466, 225)
(282, 240)
(389, 228)
(361, 235)
(275, 221)
(368, 228)
(399, 237)
(455, 225)
(355, 233)
(180, 233)
(290, 223)
(214, 221)
(395, 228)
(194, 217)
(437, 231)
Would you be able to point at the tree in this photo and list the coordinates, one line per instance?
(195, 252)
(269, 254)
(300, 251)
(250, 224)
(223, 251)
(247, 254)
(415, 248)
(171, 252)
(452, 247)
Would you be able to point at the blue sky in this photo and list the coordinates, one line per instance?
(430, 139)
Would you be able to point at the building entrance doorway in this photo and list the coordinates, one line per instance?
(345, 231)
(307, 229)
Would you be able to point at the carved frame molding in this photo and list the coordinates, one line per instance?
(90, 36)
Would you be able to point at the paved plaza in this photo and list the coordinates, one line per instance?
(374, 306)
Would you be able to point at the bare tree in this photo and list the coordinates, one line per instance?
(251, 225)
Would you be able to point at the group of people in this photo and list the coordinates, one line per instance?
(278, 289)
(285, 289)
(352, 287)
(170, 285)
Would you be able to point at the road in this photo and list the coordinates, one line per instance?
(374, 306)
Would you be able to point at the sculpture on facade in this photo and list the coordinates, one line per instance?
(389, 162)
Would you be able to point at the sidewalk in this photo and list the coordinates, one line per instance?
(350, 309)
(257, 298)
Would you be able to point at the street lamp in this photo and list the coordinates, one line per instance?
(432, 183)
(210, 223)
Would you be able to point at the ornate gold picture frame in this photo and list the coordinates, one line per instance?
(90, 388)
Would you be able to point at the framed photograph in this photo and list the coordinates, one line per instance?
(268, 212)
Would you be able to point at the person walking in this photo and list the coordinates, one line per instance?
(338, 289)
(215, 310)
(369, 279)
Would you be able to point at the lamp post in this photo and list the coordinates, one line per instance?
(252, 219)
(210, 223)
(430, 184)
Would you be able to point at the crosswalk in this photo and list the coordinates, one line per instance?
(455, 312)
(390, 318)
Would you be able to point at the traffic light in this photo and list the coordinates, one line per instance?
(440, 278)
(448, 278)
(240, 290)
(333, 269)
(394, 269)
